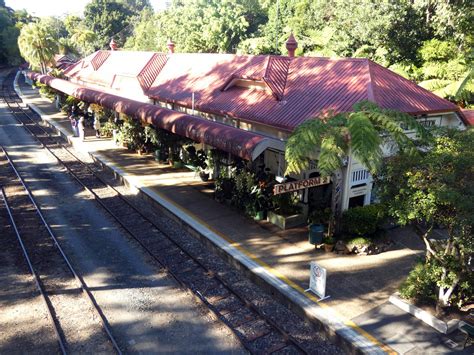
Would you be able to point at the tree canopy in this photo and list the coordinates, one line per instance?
(108, 19)
(10, 25)
(428, 41)
(435, 189)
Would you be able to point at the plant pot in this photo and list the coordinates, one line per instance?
(204, 176)
(316, 233)
(328, 247)
(259, 215)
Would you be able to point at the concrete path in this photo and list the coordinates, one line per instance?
(359, 286)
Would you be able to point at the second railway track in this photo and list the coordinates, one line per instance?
(258, 332)
(77, 320)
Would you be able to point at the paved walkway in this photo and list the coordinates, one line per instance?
(359, 286)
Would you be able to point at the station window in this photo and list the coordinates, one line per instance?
(356, 201)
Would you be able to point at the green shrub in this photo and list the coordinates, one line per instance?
(224, 188)
(357, 242)
(46, 91)
(107, 128)
(362, 221)
(420, 284)
(132, 134)
(244, 182)
(286, 204)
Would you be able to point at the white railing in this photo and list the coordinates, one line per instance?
(360, 176)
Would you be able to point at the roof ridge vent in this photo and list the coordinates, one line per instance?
(99, 59)
(151, 70)
(276, 74)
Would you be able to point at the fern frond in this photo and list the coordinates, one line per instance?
(330, 156)
(303, 143)
(365, 140)
(465, 84)
(434, 84)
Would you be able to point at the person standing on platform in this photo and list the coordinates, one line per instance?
(97, 126)
(72, 119)
(80, 127)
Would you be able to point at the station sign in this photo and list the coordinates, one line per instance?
(301, 184)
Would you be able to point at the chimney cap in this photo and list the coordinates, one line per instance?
(291, 43)
(113, 45)
(170, 44)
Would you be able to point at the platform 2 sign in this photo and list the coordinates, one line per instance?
(300, 184)
(317, 280)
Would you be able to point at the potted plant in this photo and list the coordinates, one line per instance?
(328, 243)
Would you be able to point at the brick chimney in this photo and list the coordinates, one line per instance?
(170, 46)
(113, 45)
(291, 45)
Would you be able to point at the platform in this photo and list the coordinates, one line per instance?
(357, 314)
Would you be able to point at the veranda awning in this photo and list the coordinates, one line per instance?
(245, 144)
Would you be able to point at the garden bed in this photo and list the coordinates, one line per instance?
(445, 323)
(286, 222)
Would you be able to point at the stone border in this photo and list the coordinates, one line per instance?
(424, 316)
(323, 318)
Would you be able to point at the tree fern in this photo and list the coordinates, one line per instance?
(365, 140)
(360, 132)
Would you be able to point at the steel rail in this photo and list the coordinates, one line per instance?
(77, 277)
(285, 334)
(49, 307)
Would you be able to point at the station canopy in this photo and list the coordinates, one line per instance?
(245, 144)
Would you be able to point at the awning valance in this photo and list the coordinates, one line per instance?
(245, 144)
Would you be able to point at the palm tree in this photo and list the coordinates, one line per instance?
(360, 133)
(37, 45)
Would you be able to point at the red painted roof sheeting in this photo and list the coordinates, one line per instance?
(313, 86)
(233, 140)
(298, 88)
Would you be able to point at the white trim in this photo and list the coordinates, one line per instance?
(267, 143)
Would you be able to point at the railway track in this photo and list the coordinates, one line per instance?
(55, 278)
(258, 332)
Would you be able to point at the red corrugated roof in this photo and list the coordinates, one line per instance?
(313, 86)
(298, 88)
(99, 59)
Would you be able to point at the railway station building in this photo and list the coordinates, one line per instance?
(248, 106)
